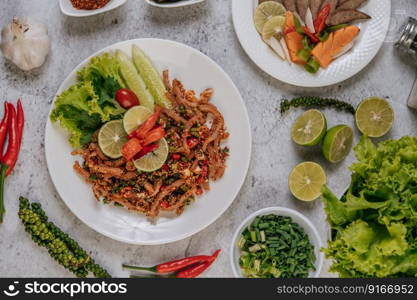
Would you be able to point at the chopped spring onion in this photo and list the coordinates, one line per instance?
(312, 66)
(282, 249)
(304, 55)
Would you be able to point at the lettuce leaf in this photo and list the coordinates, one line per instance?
(374, 224)
(85, 106)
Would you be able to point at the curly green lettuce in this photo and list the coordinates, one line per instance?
(85, 106)
(374, 224)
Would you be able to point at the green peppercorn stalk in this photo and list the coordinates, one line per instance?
(316, 102)
(59, 244)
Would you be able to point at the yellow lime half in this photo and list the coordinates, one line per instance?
(374, 117)
(153, 160)
(265, 11)
(134, 117)
(111, 138)
(306, 180)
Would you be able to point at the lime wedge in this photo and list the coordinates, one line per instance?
(111, 138)
(273, 27)
(306, 180)
(337, 143)
(265, 11)
(374, 117)
(134, 81)
(309, 129)
(134, 117)
(151, 77)
(153, 160)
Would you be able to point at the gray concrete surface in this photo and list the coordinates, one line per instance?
(207, 27)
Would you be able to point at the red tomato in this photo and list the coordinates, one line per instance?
(126, 98)
(176, 156)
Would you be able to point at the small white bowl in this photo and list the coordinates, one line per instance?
(69, 10)
(296, 217)
(174, 4)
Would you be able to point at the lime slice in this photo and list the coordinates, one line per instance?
(309, 129)
(154, 160)
(337, 143)
(111, 138)
(134, 117)
(265, 11)
(134, 81)
(273, 27)
(374, 117)
(151, 77)
(306, 180)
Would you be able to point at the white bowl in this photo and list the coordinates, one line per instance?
(296, 217)
(174, 4)
(69, 10)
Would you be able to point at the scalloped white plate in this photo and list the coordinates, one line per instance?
(366, 46)
(196, 71)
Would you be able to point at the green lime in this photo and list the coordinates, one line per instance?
(153, 160)
(310, 128)
(337, 143)
(111, 138)
(273, 27)
(135, 117)
(265, 11)
(306, 180)
(374, 117)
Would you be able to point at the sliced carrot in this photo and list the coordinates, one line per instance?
(293, 39)
(325, 52)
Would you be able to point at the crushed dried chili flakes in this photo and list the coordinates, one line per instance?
(89, 4)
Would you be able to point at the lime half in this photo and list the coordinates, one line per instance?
(153, 160)
(337, 143)
(309, 129)
(134, 117)
(265, 11)
(374, 117)
(306, 180)
(111, 138)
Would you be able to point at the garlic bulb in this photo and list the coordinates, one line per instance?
(25, 43)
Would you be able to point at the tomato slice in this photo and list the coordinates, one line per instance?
(146, 126)
(131, 148)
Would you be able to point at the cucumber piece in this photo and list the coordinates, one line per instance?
(134, 81)
(151, 77)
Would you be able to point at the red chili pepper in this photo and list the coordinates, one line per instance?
(176, 156)
(199, 191)
(165, 168)
(200, 180)
(4, 126)
(320, 21)
(192, 142)
(131, 148)
(204, 171)
(196, 270)
(289, 30)
(311, 35)
(147, 126)
(173, 266)
(154, 135)
(12, 152)
(145, 150)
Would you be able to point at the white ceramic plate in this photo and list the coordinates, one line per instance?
(174, 4)
(197, 72)
(296, 217)
(69, 10)
(366, 46)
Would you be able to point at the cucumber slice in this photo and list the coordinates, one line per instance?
(151, 77)
(134, 81)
